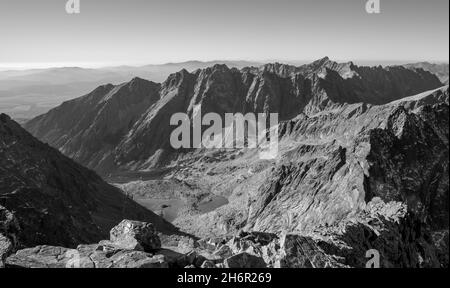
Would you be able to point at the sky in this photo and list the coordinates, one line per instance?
(137, 32)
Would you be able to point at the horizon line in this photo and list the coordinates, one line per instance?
(21, 66)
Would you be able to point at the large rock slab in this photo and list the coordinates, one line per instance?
(85, 256)
(137, 259)
(40, 257)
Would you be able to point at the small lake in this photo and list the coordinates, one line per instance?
(173, 206)
(213, 204)
(170, 212)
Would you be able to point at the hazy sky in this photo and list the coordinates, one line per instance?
(109, 32)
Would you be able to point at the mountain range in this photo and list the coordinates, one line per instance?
(127, 126)
(363, 164)
(27, 93)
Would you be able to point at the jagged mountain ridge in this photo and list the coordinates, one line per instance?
(55, 200)
(106, 136)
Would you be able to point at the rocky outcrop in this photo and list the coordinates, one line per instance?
(124, 249)
(302, 252)
(400, 240)
(85, 256)
(134, 235)
(245, 250)
(54, 200)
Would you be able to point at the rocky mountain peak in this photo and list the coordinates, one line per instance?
(321, 62)
(282, 70)
(137, 86)
(220, 67)
(136, 81)
(4, 118)
(176, 79)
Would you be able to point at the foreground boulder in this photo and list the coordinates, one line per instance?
(135, 235)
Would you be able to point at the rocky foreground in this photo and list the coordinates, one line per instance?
(135, 244)
(46, 198)
(400, 239)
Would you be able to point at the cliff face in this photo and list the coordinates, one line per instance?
(348, 156)
(353, 178)
(128, 126)
(50, 199)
